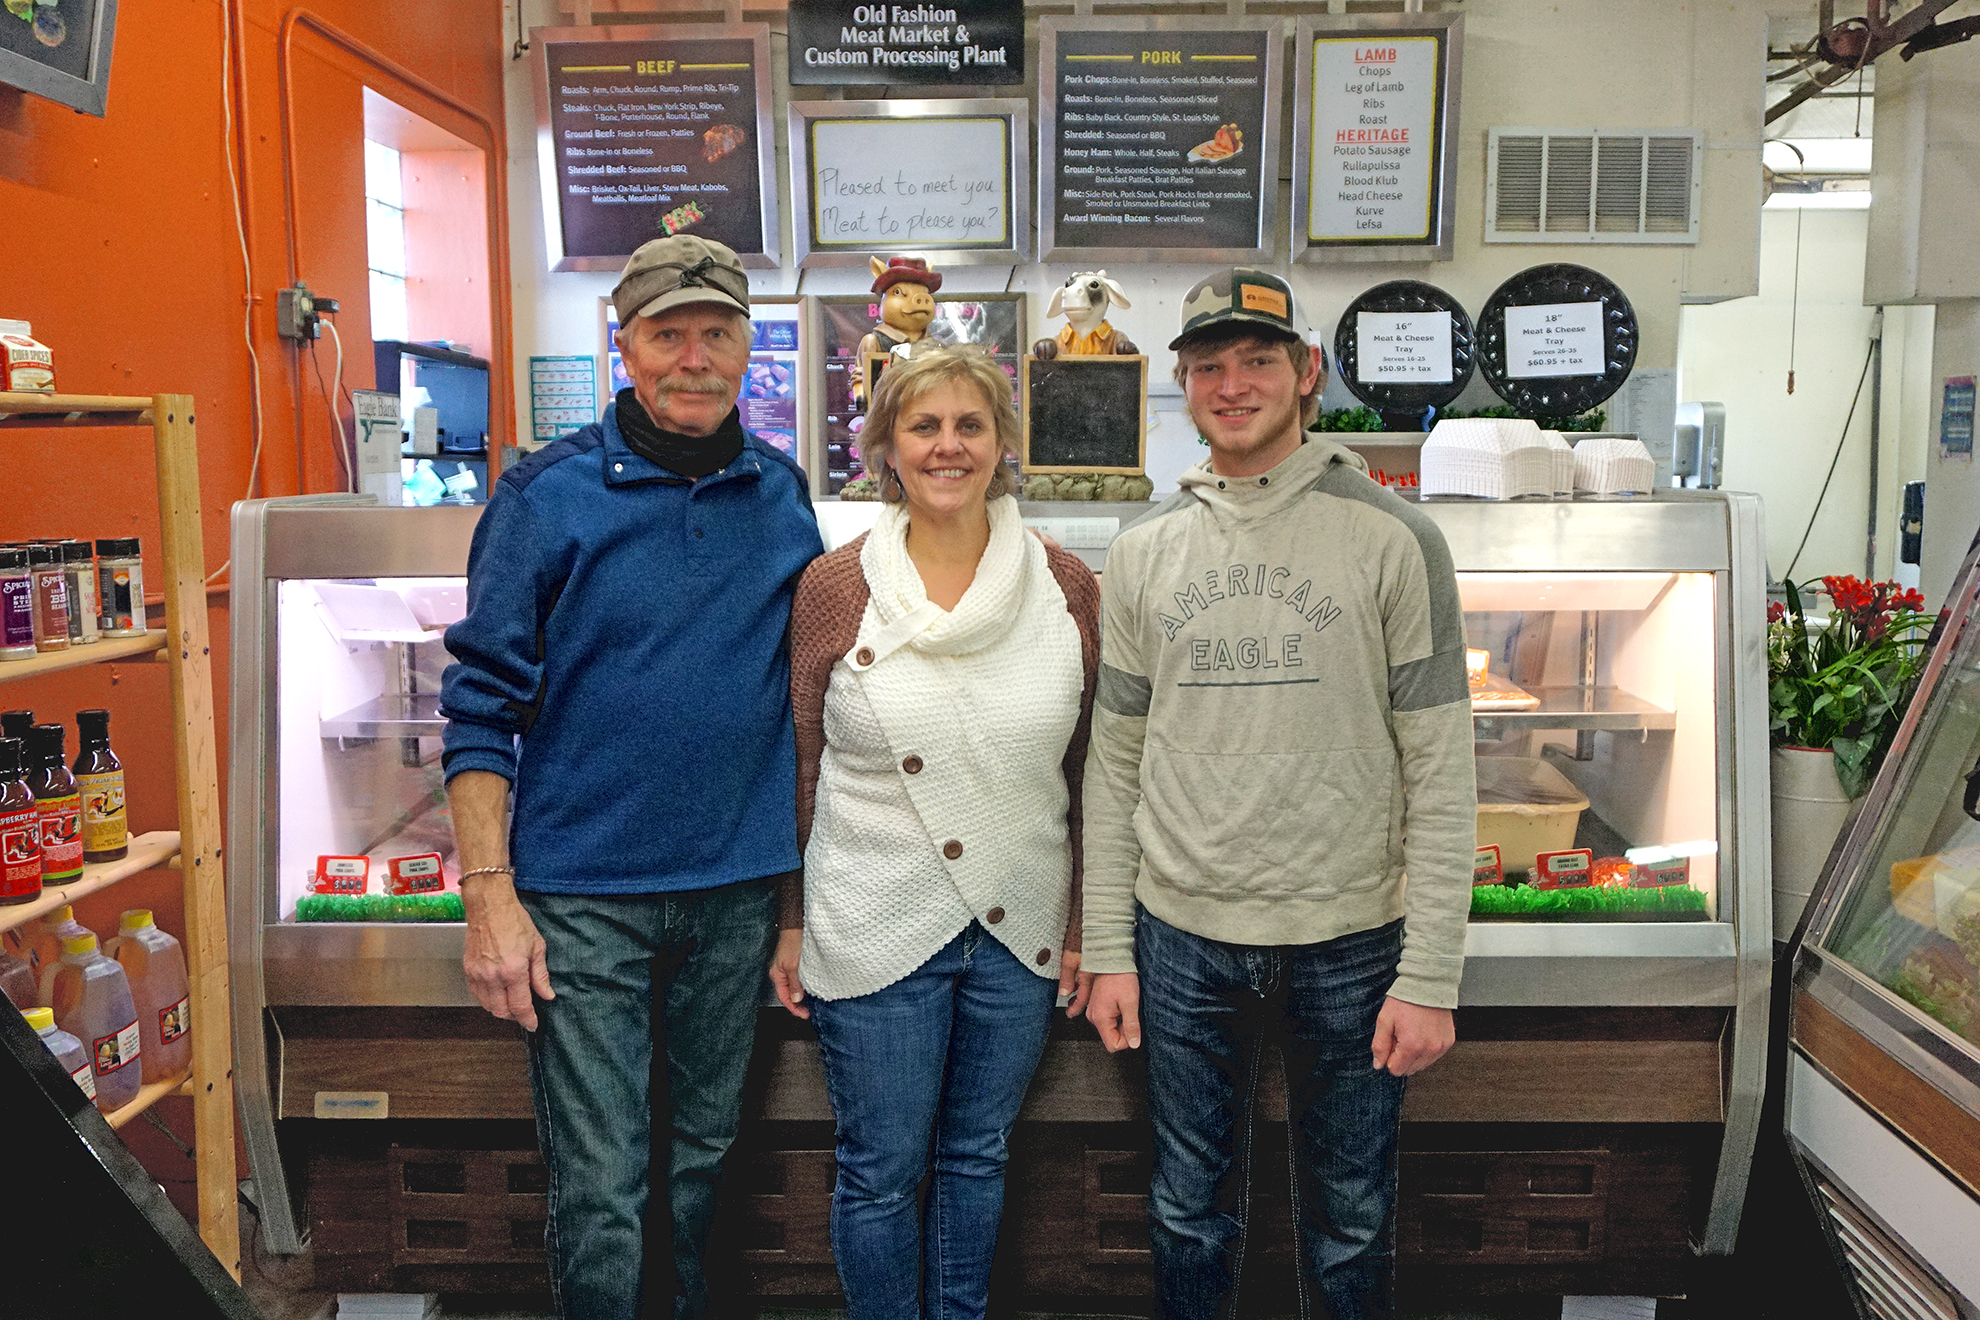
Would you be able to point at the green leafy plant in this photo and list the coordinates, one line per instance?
(1350, 419)
(1592, 420)
(1845, 686)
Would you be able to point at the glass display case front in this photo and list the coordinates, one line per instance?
(1595, 704)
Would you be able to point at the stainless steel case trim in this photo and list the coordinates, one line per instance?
(314, 541)
(1015, 109)
(1671, 532)
(546, 159)
(1303, 248)
(1048, 121)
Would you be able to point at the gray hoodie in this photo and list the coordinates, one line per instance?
(1282, 729)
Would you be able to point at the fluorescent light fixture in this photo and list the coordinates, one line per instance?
(1848, 155)
(1820, 201)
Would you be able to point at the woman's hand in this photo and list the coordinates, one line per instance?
(784, 972)
(1074, 982)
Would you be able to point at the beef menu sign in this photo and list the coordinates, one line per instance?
(647, 132)
(1376, 137)
(1158, 139)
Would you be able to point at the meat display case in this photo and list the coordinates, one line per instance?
(1883, 1085)
(1590, 1133)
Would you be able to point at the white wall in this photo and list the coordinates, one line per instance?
(1644, 64)
(1779, 445)
(1952, 486)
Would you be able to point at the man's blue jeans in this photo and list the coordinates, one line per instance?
(1209, 1011)
(697, 959)
(946, 1051)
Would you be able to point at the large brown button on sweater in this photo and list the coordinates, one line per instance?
(1044, 956)
(952, 849)
(911, 764)
(994, 915)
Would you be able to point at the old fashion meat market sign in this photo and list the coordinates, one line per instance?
(974, 41)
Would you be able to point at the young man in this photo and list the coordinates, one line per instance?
(622, 669)
(1282, 733)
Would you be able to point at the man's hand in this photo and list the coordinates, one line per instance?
(1114, 1009)
(1074, 982)
(784, 972)
(504, 959)
(1410, 1037)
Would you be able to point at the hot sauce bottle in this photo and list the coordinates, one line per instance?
(20, 830)
(59, 802)
(106, 832)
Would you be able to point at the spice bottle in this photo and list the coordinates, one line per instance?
(58, 802)
(106, 834)
(16, 604)
(79, 571)
(120, 580)
(20, 830)
(51, 597)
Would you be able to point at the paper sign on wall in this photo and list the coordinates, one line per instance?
(563, 395)
(1554, 339)
(1374, 160)
(1956, 417)
(1403, 346)
(378, 443)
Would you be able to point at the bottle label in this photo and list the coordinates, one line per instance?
(20, 853)
(115, 1050)
(86, 1079)
(175, 1021)
(16, 611)
(104, 825)
(61, 837)
(123, 599)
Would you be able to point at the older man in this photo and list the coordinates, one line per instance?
(1282, 730)
(620, 760)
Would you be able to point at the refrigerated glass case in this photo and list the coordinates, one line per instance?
(1884, 1075)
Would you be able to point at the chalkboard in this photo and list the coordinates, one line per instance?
(1086, 414)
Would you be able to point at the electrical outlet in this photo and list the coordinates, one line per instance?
(298, 312)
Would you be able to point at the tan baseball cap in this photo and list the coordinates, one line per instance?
(678, 270)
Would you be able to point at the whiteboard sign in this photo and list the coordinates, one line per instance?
(1554, 339)
(1403, 346)
(928, 183)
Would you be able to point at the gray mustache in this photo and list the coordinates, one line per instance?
(693, 384)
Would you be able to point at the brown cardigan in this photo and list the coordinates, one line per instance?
(831, 599)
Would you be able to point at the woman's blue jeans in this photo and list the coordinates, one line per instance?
(1209, 1013)
(695, 961)
(944, 1056)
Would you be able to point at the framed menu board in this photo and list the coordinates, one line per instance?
(643, 132)
(943, 179)
(1158, 139)
(1375, 137)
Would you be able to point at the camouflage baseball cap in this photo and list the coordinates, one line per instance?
(683, 268)
(1239, 294)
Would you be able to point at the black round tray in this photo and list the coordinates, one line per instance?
(1558, 396)
(1404, 405)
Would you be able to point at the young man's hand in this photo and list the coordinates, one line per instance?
(784, 972)
(1114, 1009)
(1410, 1037)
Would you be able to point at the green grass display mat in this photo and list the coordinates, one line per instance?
(380, 907)
(1605, 903)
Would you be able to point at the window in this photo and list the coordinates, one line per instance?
(385, 219)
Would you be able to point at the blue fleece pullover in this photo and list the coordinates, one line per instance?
(623, 664)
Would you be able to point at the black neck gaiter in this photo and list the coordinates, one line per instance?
(692, 456)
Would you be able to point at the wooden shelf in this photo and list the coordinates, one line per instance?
(147, 850)
(109, 648)
(148, 1095)
(37, 410)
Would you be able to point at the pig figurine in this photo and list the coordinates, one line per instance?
(1083, 300)
(907, 304)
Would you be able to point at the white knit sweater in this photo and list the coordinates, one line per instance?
(985, 698)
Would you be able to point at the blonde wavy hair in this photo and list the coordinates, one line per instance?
(904, 382)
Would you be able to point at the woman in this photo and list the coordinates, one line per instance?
(942, 672)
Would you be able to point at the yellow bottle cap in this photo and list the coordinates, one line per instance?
(56, 916)
(135, 919)
(40, 1019)
(83, 943)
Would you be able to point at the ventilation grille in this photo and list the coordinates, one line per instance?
(1893, 1286)
(1592, 186)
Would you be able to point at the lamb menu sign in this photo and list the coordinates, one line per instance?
(839, 42)
(1377, 134)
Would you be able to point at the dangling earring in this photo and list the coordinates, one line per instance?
(890, 484)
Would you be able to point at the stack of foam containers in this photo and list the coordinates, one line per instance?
(1562, 455)
(1614, 465)
(1494, 458)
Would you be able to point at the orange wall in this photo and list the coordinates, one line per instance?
(124, 253)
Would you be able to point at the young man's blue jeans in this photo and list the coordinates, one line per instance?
(1209, 1013)
(947, 1051)
(696, 958)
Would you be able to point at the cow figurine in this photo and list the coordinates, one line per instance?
(907, 304)
(1083, 300)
